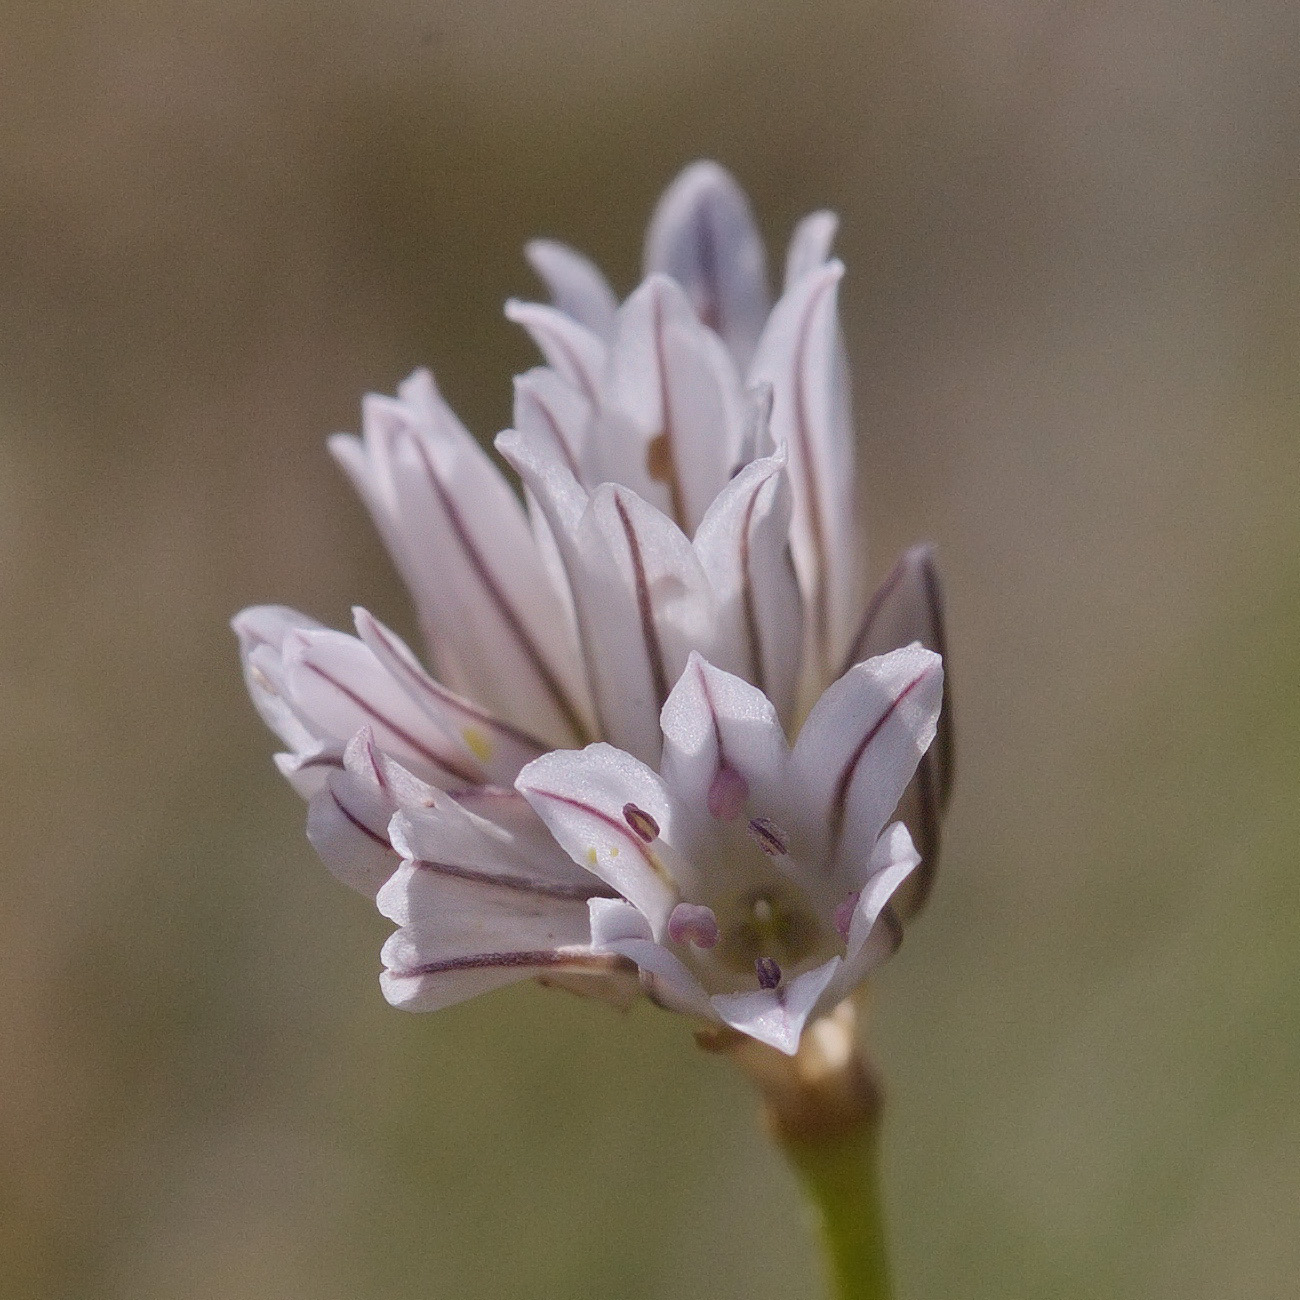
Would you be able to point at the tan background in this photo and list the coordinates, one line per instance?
(1071, 232)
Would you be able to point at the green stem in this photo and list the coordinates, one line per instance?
(840, 1178)
(823, 1107)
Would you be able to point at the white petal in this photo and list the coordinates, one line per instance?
(261, 630)
(777, 1016)
(673, 408)
(555, 413)
(801, 356)
(810, 246)
(365, 759)
(874, 929)
(414, 982)
(756, 440)
(906, 607)
(347, 825)
(743, 545)
(505, 844)
(614, 920)
(642, 599)
(705, 409)
(575, 352)
(338, 683)
(577, 286)
(348, 817)
(612, 632)
(308, 770)
(714, 720)
(644, 603)
(480, 581)
(483, 913)
(861, 744)
(549, 475)
(703, 235)
(617, 927)
(583, 797)
(465, 549)
(495, 747)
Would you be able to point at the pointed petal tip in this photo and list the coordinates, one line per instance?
(777, 1016)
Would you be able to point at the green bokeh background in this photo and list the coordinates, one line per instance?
(1072, 311)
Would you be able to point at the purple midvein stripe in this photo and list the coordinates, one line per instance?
(921, 880)
(759, 678)
(579, 367)
(563, 346)
(706, 247)
(449, 700)
(575, 893)
(666, 409)
(549, 416)
(649, 634)
(438, 760)
(507, 611)
(841, 795)
(713, 716)
(544, 957)
(812, 495)
(358, 823)
(871, 613)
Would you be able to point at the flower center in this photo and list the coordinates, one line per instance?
(766, 923)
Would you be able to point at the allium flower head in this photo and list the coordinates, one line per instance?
(594, 785)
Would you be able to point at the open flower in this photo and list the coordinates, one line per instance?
(679, 590)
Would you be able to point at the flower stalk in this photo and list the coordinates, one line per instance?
(823, 1108)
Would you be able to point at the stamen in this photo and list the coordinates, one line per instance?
(768, 972)
(771, 838)
(645, 826)
(727, 794)
(844, 913)
(692, 923)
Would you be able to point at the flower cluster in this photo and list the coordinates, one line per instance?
(594, 785)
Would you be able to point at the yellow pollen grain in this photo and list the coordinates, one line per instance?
(592, 856)
(613, 850)
(479, 745)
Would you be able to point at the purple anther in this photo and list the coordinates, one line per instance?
(844, 913)
(691, 923)
(641, 822)
(771, 838)
(727, 794)
(768, 972)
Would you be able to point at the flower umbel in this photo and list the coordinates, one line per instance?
(679, 591)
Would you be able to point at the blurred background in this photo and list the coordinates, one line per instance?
(1072, 310)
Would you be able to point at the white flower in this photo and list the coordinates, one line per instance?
(681, 586)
